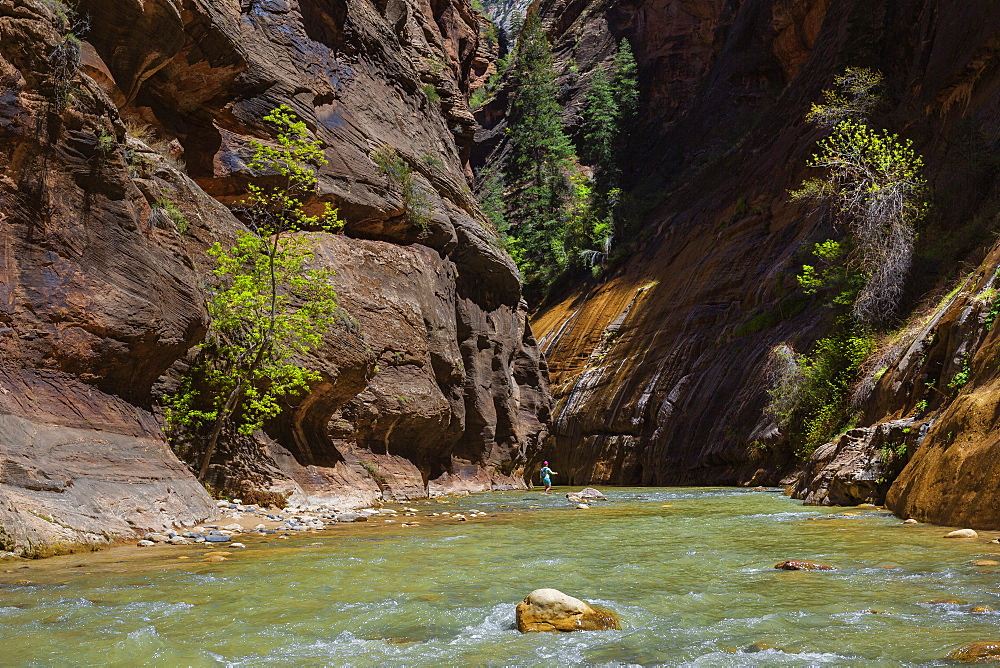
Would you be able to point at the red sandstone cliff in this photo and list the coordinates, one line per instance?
(436, 377)
(659, 371)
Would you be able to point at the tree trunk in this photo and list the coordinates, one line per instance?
(220, 421)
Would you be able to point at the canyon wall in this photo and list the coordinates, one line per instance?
(118, 167)
(660, 369)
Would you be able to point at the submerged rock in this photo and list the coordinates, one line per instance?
(761, 646)
(801, 565)
(552, 610)
(979, 609)
(986, 562)
(977, 652)
(962, 533)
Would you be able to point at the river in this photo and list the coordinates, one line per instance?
(689, 571)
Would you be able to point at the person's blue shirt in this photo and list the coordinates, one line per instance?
(546, 472)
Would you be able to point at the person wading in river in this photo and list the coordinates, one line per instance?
(547, 474)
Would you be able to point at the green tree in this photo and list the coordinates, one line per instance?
(625, 84)
(610, 110)
(873, 186)
(491, 199)
(540, 162)
(268, 307)
(601, 129)
(873, 183)
(855, 94)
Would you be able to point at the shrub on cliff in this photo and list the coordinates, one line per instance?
(268, 307)
(874, 185)
(855, 94)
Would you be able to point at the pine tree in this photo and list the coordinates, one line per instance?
(540, 161)
(601, 129)
(625, 84)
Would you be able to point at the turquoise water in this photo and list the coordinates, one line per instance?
(689, 571)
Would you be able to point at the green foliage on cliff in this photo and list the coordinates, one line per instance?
(557, 220)
(856, 93)
(540, 164)
(416, 205)
(873, 187)
(609, 114)
(268, 307)
(491, 199)
(810, 394)
(601, 129)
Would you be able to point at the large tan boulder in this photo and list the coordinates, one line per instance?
(552, 610)
(962, 533)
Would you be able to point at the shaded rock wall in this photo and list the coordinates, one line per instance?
(659, 372)
(433, 381)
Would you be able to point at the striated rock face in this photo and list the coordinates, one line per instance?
(860, 466)
(659, 371)
(950, 480)
(434, 382)
(97, 299)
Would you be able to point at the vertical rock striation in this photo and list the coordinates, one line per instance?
(660, 370)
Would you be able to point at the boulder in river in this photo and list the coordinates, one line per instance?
(591, 493)
(802, 565)
(977, 652)
(552, 610)
(962, 533)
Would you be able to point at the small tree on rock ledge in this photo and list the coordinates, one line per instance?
(268, 307)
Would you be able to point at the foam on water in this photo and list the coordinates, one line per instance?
(693, 584)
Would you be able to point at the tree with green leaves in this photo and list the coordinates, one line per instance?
(540, 162)
(268, 306)
(601, 129)
(610, 109)
(855, 94)
(874, 185)
(625, 84)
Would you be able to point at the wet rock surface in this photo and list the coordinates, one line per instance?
(660, 369)
(977, 652)
(803, 565)
(859, 467)
(552, 610)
